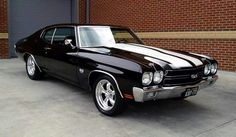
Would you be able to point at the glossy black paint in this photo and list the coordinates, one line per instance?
(78, 65)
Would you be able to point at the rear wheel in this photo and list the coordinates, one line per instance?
(106, 96)
(32, 70)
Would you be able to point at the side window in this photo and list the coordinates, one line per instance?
(48, 35)
(62, 33)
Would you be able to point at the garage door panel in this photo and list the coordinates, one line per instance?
(27, 16)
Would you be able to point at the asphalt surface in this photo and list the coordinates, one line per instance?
(53, 108)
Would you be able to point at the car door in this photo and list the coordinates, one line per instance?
(44, 44)
(61, 59)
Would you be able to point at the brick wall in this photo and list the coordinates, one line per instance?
(178, 15)
(4, 52)
(166, 15)
(82, 11)
(224, 51)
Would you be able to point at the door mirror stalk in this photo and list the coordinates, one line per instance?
(69, 42)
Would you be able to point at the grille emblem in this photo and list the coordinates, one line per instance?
(193, 76)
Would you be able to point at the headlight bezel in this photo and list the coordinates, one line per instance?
(150, 77)
(214, 68)
(161, 74)
(207, 69)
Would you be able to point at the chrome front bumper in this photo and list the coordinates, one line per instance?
(155, 92)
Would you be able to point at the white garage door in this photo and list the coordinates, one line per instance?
(27, 16)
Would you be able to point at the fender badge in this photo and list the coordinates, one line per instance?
(81, 70)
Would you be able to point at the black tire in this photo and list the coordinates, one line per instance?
(36, 75)
(119, 104)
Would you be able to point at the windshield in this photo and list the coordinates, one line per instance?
(103, 36)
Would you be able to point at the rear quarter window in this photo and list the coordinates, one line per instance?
(48, 35)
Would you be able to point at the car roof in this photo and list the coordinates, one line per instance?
(85, 25)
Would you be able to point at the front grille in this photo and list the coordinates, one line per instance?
(183, 77)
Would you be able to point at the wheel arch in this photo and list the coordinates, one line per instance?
(26, 54)
(96, 73)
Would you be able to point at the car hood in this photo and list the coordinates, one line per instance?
(143, 54)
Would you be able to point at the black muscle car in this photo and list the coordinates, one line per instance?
(114, 64)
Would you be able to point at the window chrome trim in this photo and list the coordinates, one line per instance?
(104, 72)
(41, 35)
(80, 46)
(55, 29)
(44, 31)
(76, 36)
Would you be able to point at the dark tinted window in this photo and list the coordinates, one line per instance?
(62, 33)
(48, 35)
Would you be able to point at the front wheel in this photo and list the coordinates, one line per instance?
(106, 96)
(32, 70)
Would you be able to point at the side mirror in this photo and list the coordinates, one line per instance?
(69, 42)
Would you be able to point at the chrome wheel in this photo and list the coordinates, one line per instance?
(105, 95)
(30, 66)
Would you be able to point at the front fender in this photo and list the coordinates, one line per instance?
(127, 74)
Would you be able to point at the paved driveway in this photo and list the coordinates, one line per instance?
(52, 108)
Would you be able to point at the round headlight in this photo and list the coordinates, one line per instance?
(158, 76)
(213, 68)
(207, 69)
(147, 78)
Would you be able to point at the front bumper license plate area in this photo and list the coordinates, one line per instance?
(191, 91)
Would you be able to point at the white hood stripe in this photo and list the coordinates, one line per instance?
(195, 61)
(175, 61)
(204, 56)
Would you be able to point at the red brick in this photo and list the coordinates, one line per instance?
(4, 51)
(168, 15)
(223, 51)
(177, 15)
(82, 11)
(4, 48)
(3, 16)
